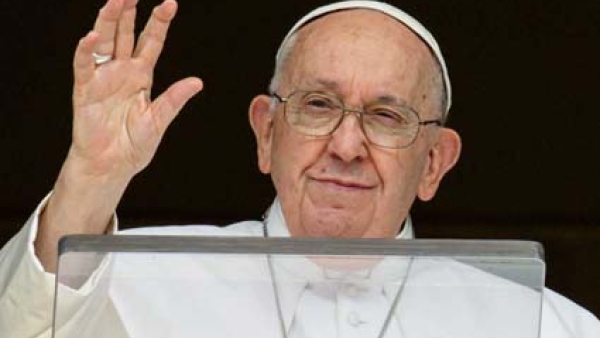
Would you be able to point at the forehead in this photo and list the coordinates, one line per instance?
(360, 50)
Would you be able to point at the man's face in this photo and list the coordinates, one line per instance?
(341, 185)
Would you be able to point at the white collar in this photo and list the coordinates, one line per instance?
(293, 273)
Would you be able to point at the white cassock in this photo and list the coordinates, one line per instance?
(275, 297)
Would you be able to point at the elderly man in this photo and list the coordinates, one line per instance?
(351, 133)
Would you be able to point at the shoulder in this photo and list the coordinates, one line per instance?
(245, 228)
(562, 318)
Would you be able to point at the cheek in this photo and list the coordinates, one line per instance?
(292, 154)
(400, 174)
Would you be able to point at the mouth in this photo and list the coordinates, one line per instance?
(343, 184)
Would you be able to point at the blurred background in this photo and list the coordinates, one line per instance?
(525, 79)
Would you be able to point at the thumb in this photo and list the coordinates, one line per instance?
(168, 104)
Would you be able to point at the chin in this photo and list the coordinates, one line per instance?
(331, 225)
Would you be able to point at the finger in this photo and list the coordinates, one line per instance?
(125, 38)
(153, 37)
(166, 107)
(106, 26)
(83, 63)
(130, 3)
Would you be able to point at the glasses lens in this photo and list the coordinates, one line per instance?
(318, 114)
(390, 126)
(313, 113)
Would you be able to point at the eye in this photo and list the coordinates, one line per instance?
(387, 116)
(318, 102)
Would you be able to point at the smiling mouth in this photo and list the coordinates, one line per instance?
(342, 184)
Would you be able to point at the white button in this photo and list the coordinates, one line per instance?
(354, 319)
(351, 290)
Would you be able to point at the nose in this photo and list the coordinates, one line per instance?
(348, 141)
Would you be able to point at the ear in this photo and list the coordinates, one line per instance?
(261, 121)
(442, 157)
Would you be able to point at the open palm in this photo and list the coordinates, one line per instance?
(116, 125)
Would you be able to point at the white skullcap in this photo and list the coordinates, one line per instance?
(387, 9)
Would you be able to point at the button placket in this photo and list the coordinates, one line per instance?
(350, 313)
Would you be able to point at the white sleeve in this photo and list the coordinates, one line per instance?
(562, 318)
(26, 289)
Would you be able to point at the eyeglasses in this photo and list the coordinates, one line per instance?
(320, 114)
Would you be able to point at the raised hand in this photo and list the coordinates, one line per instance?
(117, 127)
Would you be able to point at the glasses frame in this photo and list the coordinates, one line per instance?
(359, 113)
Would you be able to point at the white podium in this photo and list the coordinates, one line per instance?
(214, 287)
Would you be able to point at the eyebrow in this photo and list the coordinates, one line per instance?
(388, 99)
(391, 100)
(324, 83)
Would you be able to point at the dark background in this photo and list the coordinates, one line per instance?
(525, 78)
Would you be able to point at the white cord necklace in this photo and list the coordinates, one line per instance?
(388, 317)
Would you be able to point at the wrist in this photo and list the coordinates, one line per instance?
(84, 200)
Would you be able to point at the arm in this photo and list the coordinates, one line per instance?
(116, 126)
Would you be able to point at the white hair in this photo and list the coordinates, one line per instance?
(280, 62)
